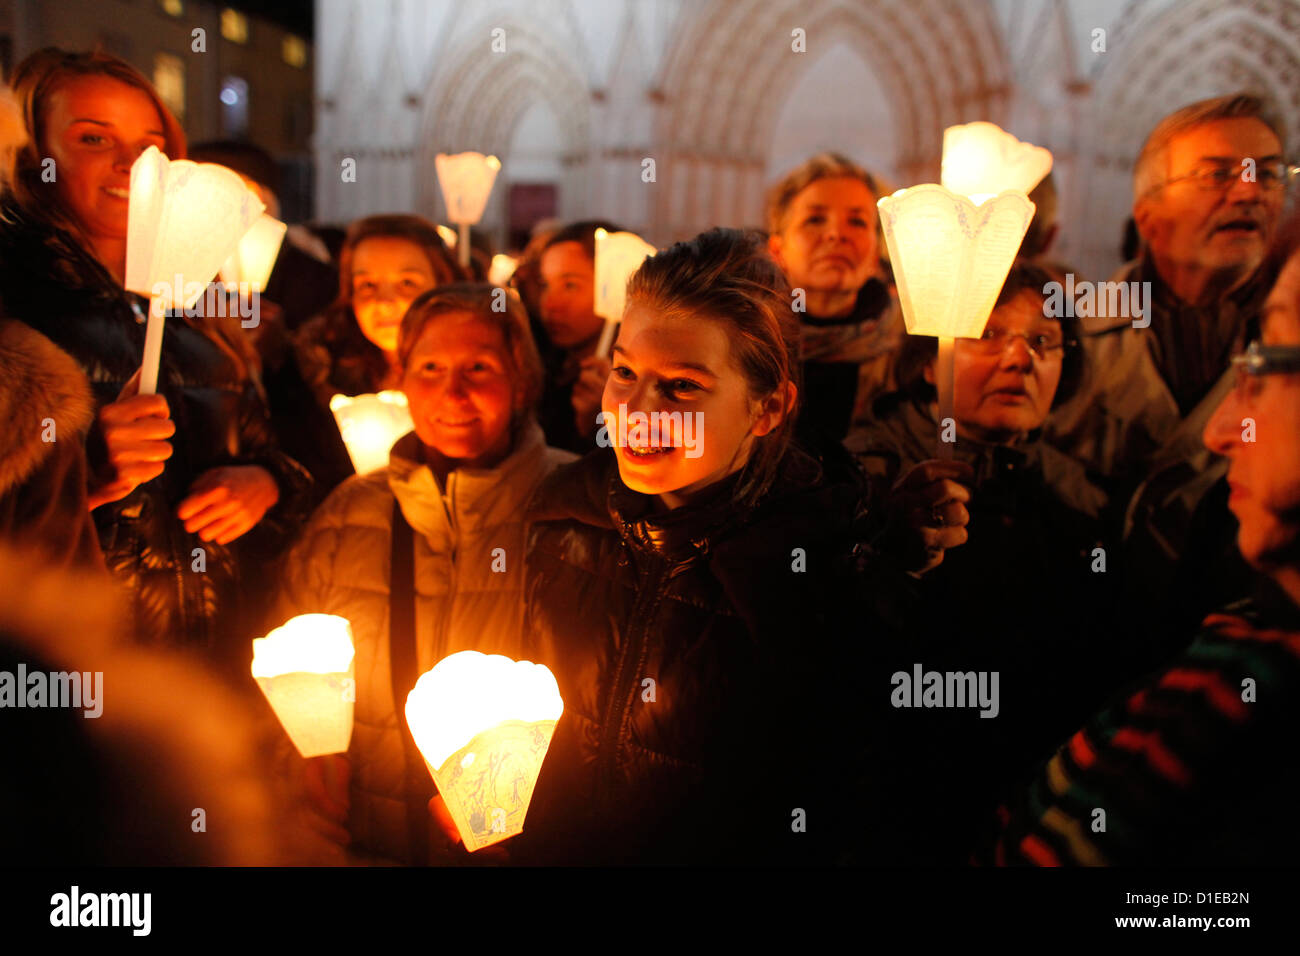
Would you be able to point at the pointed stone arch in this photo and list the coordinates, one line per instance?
(938, 62)
(474, 101)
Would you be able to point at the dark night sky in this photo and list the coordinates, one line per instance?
(297, 15)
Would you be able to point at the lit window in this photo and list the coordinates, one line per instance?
(234, 107)
(169, 81)
(234, 26)
(294, 51)
(173, 8)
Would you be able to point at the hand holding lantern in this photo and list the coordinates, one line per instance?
(484, 723)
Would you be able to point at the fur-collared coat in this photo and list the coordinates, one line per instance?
(47, 407)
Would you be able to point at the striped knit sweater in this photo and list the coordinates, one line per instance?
(1195, 767)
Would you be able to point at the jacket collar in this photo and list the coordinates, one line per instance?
(473, 499)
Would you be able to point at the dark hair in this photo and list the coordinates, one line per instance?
(342, 334)
(479, 298)
(727, 275)
(34, 80)
(583, 233)
(918, 351)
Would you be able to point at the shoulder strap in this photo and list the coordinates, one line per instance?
(405, 672)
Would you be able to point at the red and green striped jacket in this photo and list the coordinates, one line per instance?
(1196, 766)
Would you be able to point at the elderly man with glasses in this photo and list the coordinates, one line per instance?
(1208, 187)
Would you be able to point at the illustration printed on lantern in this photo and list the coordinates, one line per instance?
(638, 429)
(1101, 300)
(490, 780)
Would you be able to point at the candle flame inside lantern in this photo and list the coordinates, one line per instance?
(982, 159)
(484, 723)
(305, 668)
(370, 424)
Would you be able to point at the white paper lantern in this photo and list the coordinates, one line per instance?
(484, 724)
(981, 160)
(306, 668)
(370, 425)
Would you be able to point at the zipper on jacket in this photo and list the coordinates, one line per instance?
(623, 690)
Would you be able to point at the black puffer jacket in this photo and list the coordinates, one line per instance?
(708, 658)
(178, 596)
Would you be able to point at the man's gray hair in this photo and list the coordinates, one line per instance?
(1150, 170)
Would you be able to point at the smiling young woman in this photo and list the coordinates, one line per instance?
(63, 232)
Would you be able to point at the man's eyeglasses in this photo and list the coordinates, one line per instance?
(1046, 346)
(1211, 178)
(1259, 360)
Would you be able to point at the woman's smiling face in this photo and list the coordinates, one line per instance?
(459, 386)
(666, 368)
(95, 129)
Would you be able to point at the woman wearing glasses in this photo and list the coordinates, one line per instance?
(1029, 597)
(1193, 765)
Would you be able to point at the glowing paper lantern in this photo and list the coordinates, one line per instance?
(305, 668)
(483, 724)
(466, 180)
(982, 160)
(950, 258)
(370, 424)
(448, 235)
(618, 255)
(183, 222)
(503, 267)
(254, 257)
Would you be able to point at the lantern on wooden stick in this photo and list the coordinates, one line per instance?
(618, 255)
(484, 723)
(306, 667)
(183, 222)
(466, 180)
(982, 160)
(950, 258)
(370, 424)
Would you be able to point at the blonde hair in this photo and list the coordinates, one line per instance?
(821, 166)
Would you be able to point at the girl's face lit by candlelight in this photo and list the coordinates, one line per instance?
(94, 130)
(459, 385)
(388, 274)
(665, 364)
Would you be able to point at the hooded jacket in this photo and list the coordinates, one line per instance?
(47, 404)
(469, 556)
(185, 591)
(702, 655)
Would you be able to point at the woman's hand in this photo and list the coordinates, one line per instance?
(226, 502)
(323, 788)
(445, 827)
(928, 512)
(588, 391)
(134, 428)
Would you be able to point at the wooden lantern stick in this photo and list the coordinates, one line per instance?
(943, 375)
(462, 245)
(153, 338)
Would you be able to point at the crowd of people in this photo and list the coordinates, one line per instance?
(735, 615)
